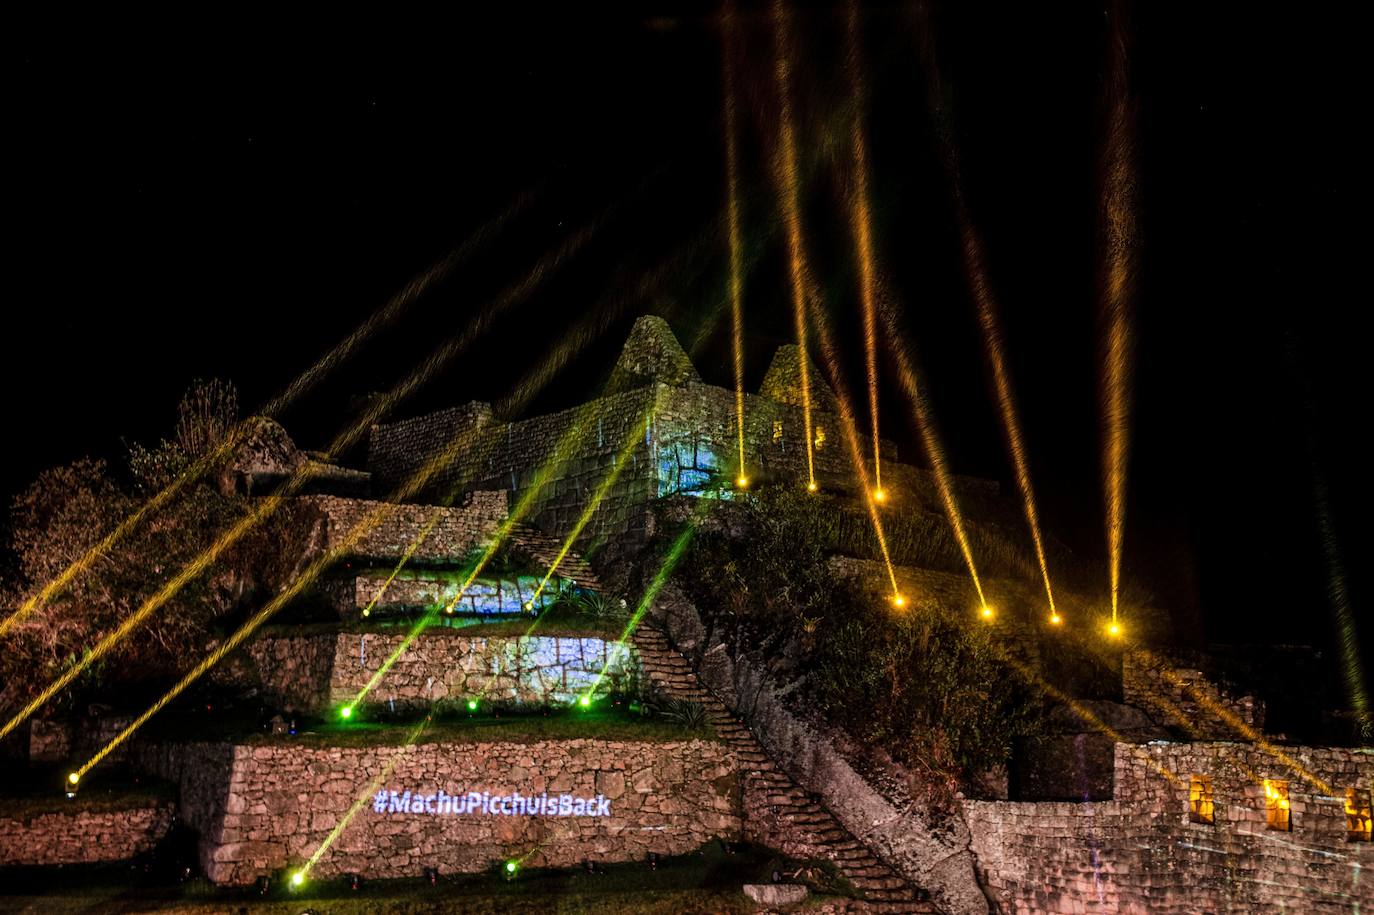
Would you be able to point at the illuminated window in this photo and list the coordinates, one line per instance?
(1357, 815)
(1200, 808)
(820, 438)
(1276, 813)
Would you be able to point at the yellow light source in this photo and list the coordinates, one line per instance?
(898, 600)
(986, 612)
(297, 878)
(73, 778)
(879, 495)
(1056, 619)
(1114, 630)
(811, 487)
(742, 483)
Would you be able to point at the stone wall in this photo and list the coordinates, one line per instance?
(484, 596)
(449, 533)
(1140, 853)
(1184, 698)
(284, 800)
(84, 836)
(317, 672)
(561, 458)
(933, 854)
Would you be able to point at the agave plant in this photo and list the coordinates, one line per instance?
(687, 713)
(594, 604)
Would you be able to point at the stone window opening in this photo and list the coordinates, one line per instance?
(1277, 815)
(1200, 806)
(1358, 820)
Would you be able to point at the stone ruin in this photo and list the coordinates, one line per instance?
(1121, 828)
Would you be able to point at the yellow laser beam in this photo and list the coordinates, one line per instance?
(976, 274)
(789, 194)
(851, 435)
(301, 385)
(363, 799)
(345, 439)
(862, 226)
(733, 235)
(1119, 265)
(930, 440)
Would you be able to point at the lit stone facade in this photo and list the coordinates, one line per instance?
(261, 808)
(314, 673)
(1140, 852)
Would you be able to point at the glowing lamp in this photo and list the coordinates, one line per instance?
(742, 483)
(73, 778)
(367, 611)
(812, 487)
(1114, 630)
(298, 878)
(448, 608)
(986, 612)
(511, 868)
(472, 705)
(1056, 619)
(898, 600)
(585, 701)
(346, 712)
(879, 495)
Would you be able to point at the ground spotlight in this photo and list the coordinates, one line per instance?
(297, 879)
(346, 712)
(986, 613)
(742, 483)
(1114, 629)
(1056, 619)
(472, 705)
(510, 869)
(898, 601)
(812, 487)
(879, 495)
(73, 778)
(585, 701)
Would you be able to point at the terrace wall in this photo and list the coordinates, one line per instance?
(83, 836)
(449, 532)
(1139, 853)
(283, 800)
(313, 673)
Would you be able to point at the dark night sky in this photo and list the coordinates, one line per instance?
(216, 198)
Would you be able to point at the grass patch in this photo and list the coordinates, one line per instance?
(372, 726)
(554, 622)
(708, 880)
(39, 790)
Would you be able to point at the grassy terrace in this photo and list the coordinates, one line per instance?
(373, 727)
(708, 880)
(34, 791)
(554, 622)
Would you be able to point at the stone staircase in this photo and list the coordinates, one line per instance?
(792, 819)
(543, 549)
